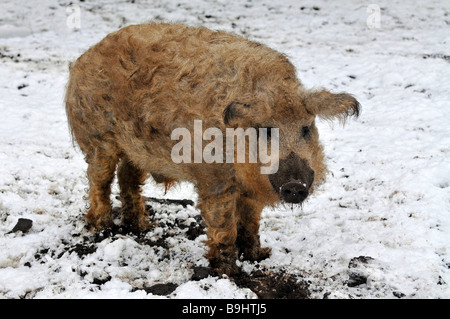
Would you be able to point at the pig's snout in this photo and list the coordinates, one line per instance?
(293, 179)
(294, 192)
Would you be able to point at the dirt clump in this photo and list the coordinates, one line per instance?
(273, 285)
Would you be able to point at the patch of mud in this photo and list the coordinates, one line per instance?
(266, 284)
(437, 56)
(23, 225)
(171, 226)
(273, 285)
(182, 202)
(356, 274)
(160, 289)
(83, 249)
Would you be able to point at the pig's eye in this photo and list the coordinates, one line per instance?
(305, 132)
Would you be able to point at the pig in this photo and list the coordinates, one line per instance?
(129, 92)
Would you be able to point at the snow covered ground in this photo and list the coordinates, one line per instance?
(387, 197)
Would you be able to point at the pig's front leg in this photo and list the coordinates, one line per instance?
(248, 243)
(219, 213)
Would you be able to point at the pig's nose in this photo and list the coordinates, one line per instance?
(294, 192)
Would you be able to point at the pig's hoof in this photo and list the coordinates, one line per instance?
(224, 265)
(257, 254)
(99, 222)
(138, 225)
(226, 269)
(143, 225)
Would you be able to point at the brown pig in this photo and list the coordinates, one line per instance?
(128, 93)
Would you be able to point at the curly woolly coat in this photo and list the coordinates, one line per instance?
(127, 93)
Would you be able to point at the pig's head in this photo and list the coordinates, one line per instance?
(300, 161)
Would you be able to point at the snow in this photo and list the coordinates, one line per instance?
(387, 195)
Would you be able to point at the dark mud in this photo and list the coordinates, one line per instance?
(273, 285)
(266, 284)
(23, 225)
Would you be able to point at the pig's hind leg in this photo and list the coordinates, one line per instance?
(101, 169)
(130, 180)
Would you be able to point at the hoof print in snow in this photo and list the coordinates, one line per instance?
(23, 225)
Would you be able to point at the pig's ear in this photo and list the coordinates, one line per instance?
(330, 106)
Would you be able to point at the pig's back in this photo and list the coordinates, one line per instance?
(164, 76)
